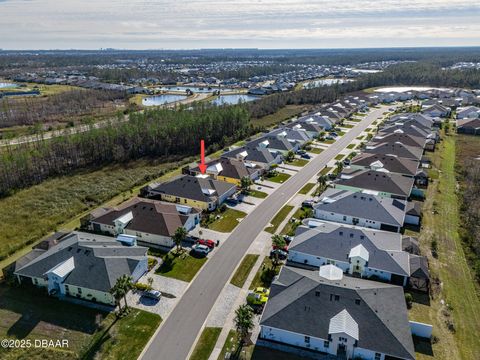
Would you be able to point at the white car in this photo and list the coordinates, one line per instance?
(201, 249)
(153, 294)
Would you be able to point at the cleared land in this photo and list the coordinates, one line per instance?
(283, 114)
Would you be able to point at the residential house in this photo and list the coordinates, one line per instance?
(200, 192)
(255, 155)
(84, 266)
(409, 140)
(468, 126)
(327, 312)
(387, 163)
(229, 170)
(360, 209)
(366, 253)
(437, 110)
(153, 222)
(377, 183)
(470, 112)
(395, 149)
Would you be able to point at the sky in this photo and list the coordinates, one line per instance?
(178, 24)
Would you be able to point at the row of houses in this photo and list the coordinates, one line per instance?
(341, 291)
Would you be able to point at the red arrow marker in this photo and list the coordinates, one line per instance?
(202, 165)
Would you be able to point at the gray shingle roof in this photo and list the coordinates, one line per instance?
(381, 314)
(395, 148)
(382, 209)
(391, 163)
(99, 260)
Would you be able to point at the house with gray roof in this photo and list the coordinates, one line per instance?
(322, 122)
(366, 253)
(436, 110)
(409, 140)
(200, 191)
(229, 169)
(153, 222)
(326, 312)
(387, 163)
(84, 266)
(412, 118)
(468, 126)
(395, 148)
(360, 209)
(251, 153)
(377, 183)
(295, 135)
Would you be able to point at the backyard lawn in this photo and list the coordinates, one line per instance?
(279, 178)
(228, 220)
(244, 269)
(278, 218)
(181, 267)
(28, 313)
(206, 343)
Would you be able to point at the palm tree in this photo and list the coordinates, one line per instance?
(278, 242)
(322, 183)
(179, 236)
(150, 283)
(121, 288)
(243, 321)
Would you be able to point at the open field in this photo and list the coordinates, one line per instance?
(283, 114)
(278, 218)
(32, 213)
(244, 269)
(182, 267)
(457, 286)
(206, 343)
(229, 219)
(27, 313)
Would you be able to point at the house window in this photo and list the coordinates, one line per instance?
(317, 293)
(326, 344)
(35, 281)
(337, 297)
(307, 339)
(344, 218)
(378, 356)
(357, 301)
(79, 290)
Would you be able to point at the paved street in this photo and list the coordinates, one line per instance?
(175, 337)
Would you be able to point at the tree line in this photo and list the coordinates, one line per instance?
(160, 133)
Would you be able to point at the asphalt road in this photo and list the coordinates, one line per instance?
(175, 337)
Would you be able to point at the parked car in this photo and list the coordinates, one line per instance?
(200, 249)
(301, 152)
(282, 255)
(305, 156)
(262, 290)
(256, 299)
(288, 239)
(209, 243)
(330, 138)
(334, 134)
(153, 294)
(285, 248)
(308, 203)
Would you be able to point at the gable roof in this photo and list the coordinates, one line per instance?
(395, 148)
(380, 313)
(390, 163)
(149, 216)
(377, 181)
(251, 153)
(98, 261)
(378, 208)
(405, 139)
(229, 167)
(343, 323)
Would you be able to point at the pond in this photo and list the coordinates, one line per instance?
(234, 99)
(4, 85)
(195, 89)
(162, 99)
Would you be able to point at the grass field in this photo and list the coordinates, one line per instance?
(306, 189)
(228, 220)
(441, 222)
(32, 213)
(315, 150)
(348, 126)
(278, 218)
(281, 115)
(297, 162)
(339, 157)
(206, 343)
(258, 194)
(182, 267)
(244, 269)
(31, 314)
(279, 178)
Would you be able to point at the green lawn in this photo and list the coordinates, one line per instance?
(339, 157)
(297, 162)
(291, 226)
(257, 194)
(457, 284)
(324, 171)
(306, 189)
(32, 213)
(350, 146)
(340, 133)
(228, 220)
(206, 343)
(348, 126)
(329, 141)
(360, 137)
(279, 178)
(265, 274)
(315, 150)
(31, 314)
(278, 218)
(230, 347)
(182, 267)
(355, 120)
(244, 269)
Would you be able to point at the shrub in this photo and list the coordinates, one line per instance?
(141, 286)
(409, 300)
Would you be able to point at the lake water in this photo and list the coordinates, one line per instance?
(234, 99)
(162, 99)
(8, 85)
(195, 89)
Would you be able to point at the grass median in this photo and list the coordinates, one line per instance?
(278, 218)
(244, 270)
(206, 343)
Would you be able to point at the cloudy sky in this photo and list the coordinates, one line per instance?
(174, 24)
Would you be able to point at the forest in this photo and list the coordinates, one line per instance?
(160, 134)
(57, 107)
